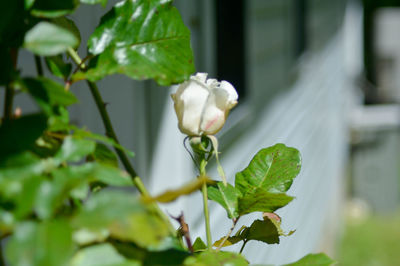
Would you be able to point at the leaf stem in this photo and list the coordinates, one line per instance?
(39, 67)
(234, 221)
(244, 244)
(203, 164)
(111, 133)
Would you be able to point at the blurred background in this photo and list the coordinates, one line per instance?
(321, 76)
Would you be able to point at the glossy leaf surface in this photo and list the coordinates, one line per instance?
(227, 196)
(272, 169)
(143, 40)
(259, 200)
(49, 39)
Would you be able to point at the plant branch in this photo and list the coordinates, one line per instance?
(111, 133)
(203, 164)
(9, 97)
(234, 221)
(244, 244)
(39, 67)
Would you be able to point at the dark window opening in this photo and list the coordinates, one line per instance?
(231, 43)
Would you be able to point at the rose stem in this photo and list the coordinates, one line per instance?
(39, 67)
(203, 164)
(111, 134)
(9, 97)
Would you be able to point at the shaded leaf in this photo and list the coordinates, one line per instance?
(171, 195)
(199, 244)
(104, 155)
(58, 67)
(103, 254)
(213, 257)
(17, 135)
(48, 93)
(227, 196)
(259, 200)
(49, 39)
(313, 259)
(272, 169)
(12, 26)
(48, 243)
(123, 216)
(143, 40)
(93, 2)
(52, 9)
(263, 230)
(228, 242)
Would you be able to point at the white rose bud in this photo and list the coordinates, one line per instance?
(202, 105)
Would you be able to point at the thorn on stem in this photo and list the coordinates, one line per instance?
(184, 230)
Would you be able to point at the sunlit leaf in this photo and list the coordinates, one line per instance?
(227, 196)
(48, 39)
(143, 40)
(37, 244)
(319, 259)
(123, 216)
(272, 169)
(213, 257)
(259, 200)
(74, 149)
(171, 195)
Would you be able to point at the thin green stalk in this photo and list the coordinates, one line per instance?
(203, 164)
(244, 244)
(111, 134)
(234, 222)
(39, 67)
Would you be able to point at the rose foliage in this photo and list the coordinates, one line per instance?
(67, 195)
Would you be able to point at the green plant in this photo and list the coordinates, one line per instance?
(54, 208)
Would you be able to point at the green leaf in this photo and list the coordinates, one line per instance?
(171, 195)
(263, 230)
(259, 200)
(48, 39)
(58, 67)
(313, 259)
(227, 196)
(52, 9)
(48, 93)
(143, 40)
(74, 149)
(69, 25)
(199, 245)
(7, 221)
(123, 216)
(100, 255)
(17, 135)
(213, 257)
(29, 4)
(104, 155)
(93, 2)
(48, 243)
(272, 169)
(228, 242)
(13, 23)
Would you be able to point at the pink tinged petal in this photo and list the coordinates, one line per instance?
(213, 118)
